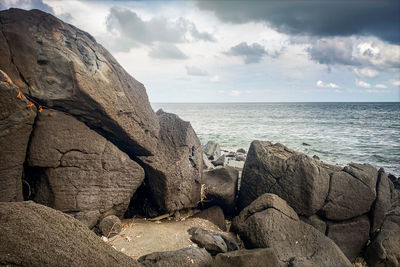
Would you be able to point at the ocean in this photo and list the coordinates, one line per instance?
(338, 133)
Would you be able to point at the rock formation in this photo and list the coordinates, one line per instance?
(63, 68)
(35, 235)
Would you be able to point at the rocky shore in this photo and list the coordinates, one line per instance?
(91, 176)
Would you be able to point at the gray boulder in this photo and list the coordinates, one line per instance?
(35, 235)
(221, 187)
(241, 150)
(269, 222)
(272, 168)
(219, 161)
(213, 214)
(213, 243)
(110, 226)
(184, 257)
(315, 221)
(350, 236)
(384, 249)
(382, 203)
(16, 122)
(261, 257)
(174, 180)
(352, 192)
(65, 69)
(76, 170)
(212, 150)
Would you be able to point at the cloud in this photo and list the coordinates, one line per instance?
(236, 93)
(130, 29)
(167, 51)
(194, 71)
(26, 4)
(251, 53)
(366, 72)
(365, 55)
(215, 79)
(379, 85)
(396, 83)
(315, 17)
(321, 84)
(363, 84)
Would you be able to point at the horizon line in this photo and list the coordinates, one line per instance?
(272, 102)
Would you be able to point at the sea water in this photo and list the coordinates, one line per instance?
(337, 133)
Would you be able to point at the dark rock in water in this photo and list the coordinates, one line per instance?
(305, 144)
(110, 226)
(269, 222)
(392, 177)
(231, 155)
(260, 257)
(215, 215)
(221, 187)
(174, 180)
(240, 157)
(241, 150)
(219, 162)
(35, 235)
(382, 203)
(212, 150)
(315, 221)
(350, 236)
(384, 249)
(315, 157)
(16, 122)
(64, 68)
(213, 243)
(272, 168)
(74, 169)
(184, 257)
(352, 192)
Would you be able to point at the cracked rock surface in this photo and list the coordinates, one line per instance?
(74, 169)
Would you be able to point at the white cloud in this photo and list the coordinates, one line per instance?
(379, 85)
(221, 91)
(195, 71)
(215, 79)
(363, 84)
(236, 93)
(366, 72)
(396, 83)
(321, 84)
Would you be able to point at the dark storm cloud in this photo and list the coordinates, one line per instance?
(251, 53)
(323, 18)
(167, 51)
(130, 26)
(27, 4)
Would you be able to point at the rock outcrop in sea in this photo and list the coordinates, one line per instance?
(82, 146)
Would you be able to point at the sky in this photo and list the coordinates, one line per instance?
(247, 51)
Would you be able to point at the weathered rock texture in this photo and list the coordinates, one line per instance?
(16, 122)
(75, 170)
(184, 257)
(260, 257)
(273, 168)
(35, 235)
(384, 249)
(212, 150)
(269, 222)
(221, 187)
(65, 69)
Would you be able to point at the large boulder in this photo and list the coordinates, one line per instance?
(213, 214)
(352, 192)
(269, 222)
(382, 203)
(65, 69)
(74, 169)
(221, 187)
(183, 257)
(213, 243)
(260, 257)
(16, 121)
(212, 150)
(35, 235)
(174, 180)
(272, 168)
(351, 236)
(384, 249)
